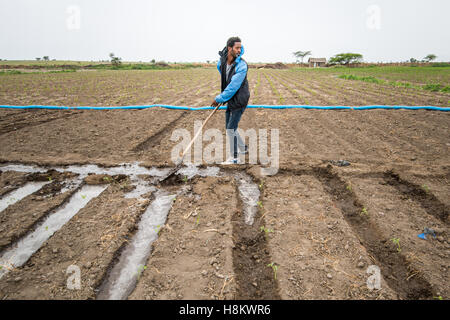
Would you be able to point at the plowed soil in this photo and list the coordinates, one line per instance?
(318, 228)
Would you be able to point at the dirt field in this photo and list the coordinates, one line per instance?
(318, 226)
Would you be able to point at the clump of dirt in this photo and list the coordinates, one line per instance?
(10, 180)
(50, 175)
(277, 65)
(96, 179)
(173, 180)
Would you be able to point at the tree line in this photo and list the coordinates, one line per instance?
(350, 58)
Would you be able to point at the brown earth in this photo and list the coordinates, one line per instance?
(318, 228)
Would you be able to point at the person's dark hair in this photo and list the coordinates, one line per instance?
(232, 40)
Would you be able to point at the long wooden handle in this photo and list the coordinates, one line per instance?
(196, 135)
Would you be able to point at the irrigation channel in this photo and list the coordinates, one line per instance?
(122, 278)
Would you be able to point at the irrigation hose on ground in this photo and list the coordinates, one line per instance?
(223, 107)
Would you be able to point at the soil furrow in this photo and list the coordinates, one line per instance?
(316, 94)
(251, 259)
(155, 139)
(30, 212)
(374, 89)
(105, 224)
(393, 265)
(192, 259)
(318, 255)
(19, 125)
(426, 199)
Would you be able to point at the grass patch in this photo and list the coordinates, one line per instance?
(434, 87)
(365, 79)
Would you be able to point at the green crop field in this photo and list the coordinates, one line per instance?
(416, 75)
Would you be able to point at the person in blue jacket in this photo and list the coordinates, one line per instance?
(234, 92)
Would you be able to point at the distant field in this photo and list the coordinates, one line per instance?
(196, 87)
(58, 62)
(419, 75)
(46, 63)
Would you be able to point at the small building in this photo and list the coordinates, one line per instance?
(317, 62)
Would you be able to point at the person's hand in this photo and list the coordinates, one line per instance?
(215, 103)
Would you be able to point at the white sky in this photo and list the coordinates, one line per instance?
(195, 30)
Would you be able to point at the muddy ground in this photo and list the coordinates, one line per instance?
(318, 227)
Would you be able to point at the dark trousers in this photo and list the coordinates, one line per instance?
(232, 118)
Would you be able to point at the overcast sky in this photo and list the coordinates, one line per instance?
(195, 30)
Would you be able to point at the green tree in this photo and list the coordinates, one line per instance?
(115, 61)
(301, 55)
(430, 57)
(46, 58)
(346, 58)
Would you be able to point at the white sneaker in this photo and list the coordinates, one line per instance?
(231, 161)
(245, 151)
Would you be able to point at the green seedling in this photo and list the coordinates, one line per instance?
(348, 187)
(185, 179)
(198, 219)
(259, 203)
(425, 188)
(364, 212)
(49, 178)
(46, 228)
(158, 229)
(274, 268)
(106, 179)
(83, 196)
(124, 185)
(261, 185)
(438, 298)
(397, 242)
(141, 269)
(266, 230)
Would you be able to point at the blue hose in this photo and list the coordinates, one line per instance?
(224, 107)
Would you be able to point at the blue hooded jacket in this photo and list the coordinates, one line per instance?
(235, 91)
